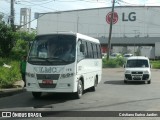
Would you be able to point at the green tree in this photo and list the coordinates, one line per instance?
(21, 46)
(7, 39)
(26, 36)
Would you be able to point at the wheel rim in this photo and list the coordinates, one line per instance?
(80, 89)
(95, 82)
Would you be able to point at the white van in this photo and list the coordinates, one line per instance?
(137, 68)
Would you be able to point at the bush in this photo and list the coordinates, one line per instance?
(8, 76)
(120, 61)
(113, 63)
(17, 55)
(7, 39)
(4, 60)
(109, 64)
(155, 64)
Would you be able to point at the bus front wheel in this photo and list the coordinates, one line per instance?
(36, 95)
(79, 92)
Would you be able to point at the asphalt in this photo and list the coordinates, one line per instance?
(18, 88)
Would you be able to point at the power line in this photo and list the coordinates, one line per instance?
(95, 1)
(30, 21)
(122, 1)
(39, 5)
(20, 4)
(90, 1)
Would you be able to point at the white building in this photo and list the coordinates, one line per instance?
(132, 25)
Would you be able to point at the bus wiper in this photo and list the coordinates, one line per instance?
(38, 58)
(56, 58)
(46, 59)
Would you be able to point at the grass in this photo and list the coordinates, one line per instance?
(8, 76)
(155, 64)
(119, 62)
(113, 63)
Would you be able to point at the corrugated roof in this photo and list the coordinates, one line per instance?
(131, 40)
(99, 8)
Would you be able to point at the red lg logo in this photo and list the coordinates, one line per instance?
(115, 17)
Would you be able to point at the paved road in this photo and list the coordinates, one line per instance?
(111, 95)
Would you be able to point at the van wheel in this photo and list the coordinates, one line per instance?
(36, 95)
(79, 92)
(93, 88)
(125, 81)
(149, 82)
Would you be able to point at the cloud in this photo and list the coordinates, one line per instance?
(80, 5)
(132, 2)
(152, 3)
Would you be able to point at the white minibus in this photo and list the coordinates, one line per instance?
(64, 62)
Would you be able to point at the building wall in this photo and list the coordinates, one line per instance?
(131, 22)
(133, 25)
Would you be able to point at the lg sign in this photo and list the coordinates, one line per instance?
(130, 17)
(115, 17)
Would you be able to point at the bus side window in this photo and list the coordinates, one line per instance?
(80, 55)
(90, 51)
(85, 49)
(95, 51)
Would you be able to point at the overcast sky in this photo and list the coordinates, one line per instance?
(43, 6)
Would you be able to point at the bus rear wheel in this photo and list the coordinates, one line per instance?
(79, 92)
(93, 88)
(36, 95)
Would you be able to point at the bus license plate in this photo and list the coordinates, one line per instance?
(48, 82)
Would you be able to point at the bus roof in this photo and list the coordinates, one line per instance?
(79, 35)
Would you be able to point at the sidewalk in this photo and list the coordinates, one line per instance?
(11, 91)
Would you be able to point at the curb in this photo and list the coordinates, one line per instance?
(10, 92)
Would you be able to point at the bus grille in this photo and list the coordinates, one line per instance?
(47, 86)
(47, 77)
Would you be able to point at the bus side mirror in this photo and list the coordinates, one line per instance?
(81, 47)
(124, 66)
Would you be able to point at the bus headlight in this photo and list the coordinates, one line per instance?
(66, 75)
(32, 75)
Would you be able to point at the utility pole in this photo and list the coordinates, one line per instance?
(12, 15)
(110, 31)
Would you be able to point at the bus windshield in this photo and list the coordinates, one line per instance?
(53, 50)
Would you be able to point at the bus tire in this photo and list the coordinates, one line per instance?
(149, 82)
(79, 92)
(36, 95)
(93, 88)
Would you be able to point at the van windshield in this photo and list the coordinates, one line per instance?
(137, 63)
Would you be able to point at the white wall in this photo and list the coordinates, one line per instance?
(93, 22)
(147, 51)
